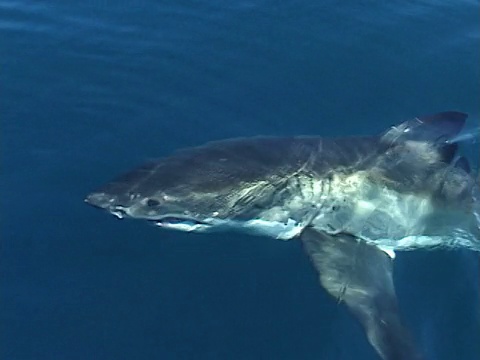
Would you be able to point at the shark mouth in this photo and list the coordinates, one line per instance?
(279, 230)
(181, 223)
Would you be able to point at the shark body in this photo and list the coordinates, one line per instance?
(352, 202)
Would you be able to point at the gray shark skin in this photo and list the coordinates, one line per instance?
(352, 202)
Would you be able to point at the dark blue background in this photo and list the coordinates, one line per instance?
(92, 88)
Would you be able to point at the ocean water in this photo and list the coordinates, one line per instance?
(89, 89)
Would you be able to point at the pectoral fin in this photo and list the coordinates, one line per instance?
(360, 275)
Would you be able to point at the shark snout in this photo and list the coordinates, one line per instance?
(107, 202)
(101, 200)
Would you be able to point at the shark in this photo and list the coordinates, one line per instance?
(353, 202)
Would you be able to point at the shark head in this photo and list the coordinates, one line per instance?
(167, 194)
(207, 188)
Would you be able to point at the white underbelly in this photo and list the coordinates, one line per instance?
(371, 211)
(375, 213)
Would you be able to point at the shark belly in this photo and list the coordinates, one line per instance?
(352, 204)
(344, 203)
(390, 219)
(372, 211)
(358, 204)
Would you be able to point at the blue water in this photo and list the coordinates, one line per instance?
(91, 88)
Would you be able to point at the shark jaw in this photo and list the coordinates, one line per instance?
(287, 231)
(275, 229)
(283, 230)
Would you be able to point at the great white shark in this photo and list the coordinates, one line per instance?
(352, 201)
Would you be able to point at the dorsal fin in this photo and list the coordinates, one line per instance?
(447, 123)
(436, 128)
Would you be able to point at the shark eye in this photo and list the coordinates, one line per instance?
(152, 203)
